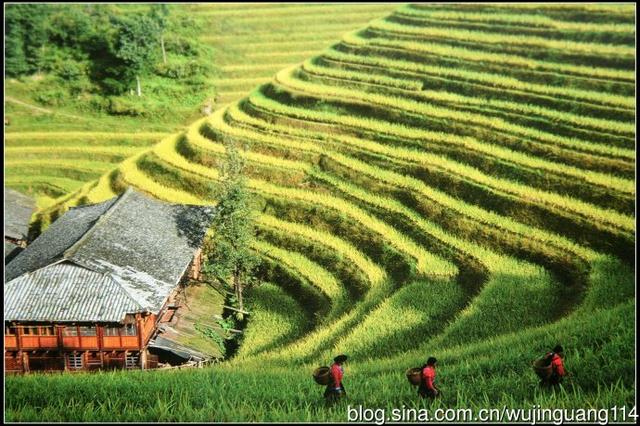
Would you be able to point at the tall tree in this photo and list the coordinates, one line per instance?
(135, 43)
(15, 59)
(159, 13)
(230, 259)
(25, 37)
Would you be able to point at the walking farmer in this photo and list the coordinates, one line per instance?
(557, 366)
(427, 387)
(335, 389)
(550, 368)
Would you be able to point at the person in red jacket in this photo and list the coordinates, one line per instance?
(335, 389)
(427, 388)
(557, 366)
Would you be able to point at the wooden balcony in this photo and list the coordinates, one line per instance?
(116, 342)
(80, 342)
(70, 342)
(36, 342)
(132, 334)
(78, 337)
(11, 342)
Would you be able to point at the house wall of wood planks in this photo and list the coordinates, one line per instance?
(86, 346)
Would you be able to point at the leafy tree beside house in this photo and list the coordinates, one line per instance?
(230, 259)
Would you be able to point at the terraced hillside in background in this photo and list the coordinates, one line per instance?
(52, 152)
(451, 180)
(253, 42)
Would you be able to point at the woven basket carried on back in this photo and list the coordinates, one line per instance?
(322, 375)
(414, 375)
(542, 367)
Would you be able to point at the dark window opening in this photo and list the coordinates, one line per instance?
(129, 330)
(167, 357)
(47, 331)
(30, 331)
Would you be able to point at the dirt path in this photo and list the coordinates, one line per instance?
(40, 109)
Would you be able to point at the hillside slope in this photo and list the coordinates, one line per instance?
(54, 150)
(455, 181)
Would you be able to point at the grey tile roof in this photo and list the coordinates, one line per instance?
(9, 249)
(143, 245)
(148, 292)
(65, 292)
(51, 244)
(143, 234)
(18, 209)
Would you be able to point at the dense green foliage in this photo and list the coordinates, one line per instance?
(229, 258)
(99, 52)
(136, 45)
(25, 38)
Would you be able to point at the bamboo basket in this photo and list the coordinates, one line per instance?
(414, 375)
(322, 375)
(543, 368)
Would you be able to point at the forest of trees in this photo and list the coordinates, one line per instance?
(105, 50)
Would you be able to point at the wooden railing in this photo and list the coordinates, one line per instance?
(114, 342)
(71, 342)
(10, 341)
(80, 342)
(34, 342)
(61, 341)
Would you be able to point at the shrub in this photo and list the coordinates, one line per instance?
(114, 86)
(52, 97)
(69, 70)
(180, 70)
(97, 103)
(197, 83)
(181, 46)
(123, 106)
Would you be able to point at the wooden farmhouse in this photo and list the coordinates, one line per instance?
(91, 291)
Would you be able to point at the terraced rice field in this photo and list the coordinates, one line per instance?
(455, 181)
(54, 164)
(250, 45)
(253, 44)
